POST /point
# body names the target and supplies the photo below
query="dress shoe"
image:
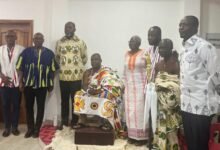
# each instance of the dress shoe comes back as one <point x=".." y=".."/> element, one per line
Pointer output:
<point x="131" y="141"/>
<point x="6" y="133"/>
<point x="29" y="133"/>
<point x="60" y="127"/>
<point x="140" y="143"/>
<point x="35" y="134"/>
<point x="15" y="131"/>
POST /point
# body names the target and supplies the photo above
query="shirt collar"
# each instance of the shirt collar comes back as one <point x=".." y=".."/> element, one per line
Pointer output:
<point x="74" y="38"/>
<point x="191" y="41"/>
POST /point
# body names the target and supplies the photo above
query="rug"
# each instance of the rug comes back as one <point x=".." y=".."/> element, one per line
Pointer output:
<point x="47" y="133"/>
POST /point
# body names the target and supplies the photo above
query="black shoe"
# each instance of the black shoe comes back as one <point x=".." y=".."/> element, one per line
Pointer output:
<point x="60" y="127"/>
<point x="35" y="134"/>
<point x="29" y="133"/>
<point x="6" y="133"/>
<point x="140" y="143"/>
<point x="15" y="131"/>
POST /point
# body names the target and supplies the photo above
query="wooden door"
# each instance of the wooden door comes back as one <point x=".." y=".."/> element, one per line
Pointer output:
<point x="24" y="30"/>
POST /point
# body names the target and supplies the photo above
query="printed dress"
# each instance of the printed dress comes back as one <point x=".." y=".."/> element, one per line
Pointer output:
<point x="135" y="80"/>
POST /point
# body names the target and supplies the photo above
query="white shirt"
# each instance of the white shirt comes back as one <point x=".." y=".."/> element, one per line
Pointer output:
<point x="8" y="66"/>
<point x="199" y="64"/>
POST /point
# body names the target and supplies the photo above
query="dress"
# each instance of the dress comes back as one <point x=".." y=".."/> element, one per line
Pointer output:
<point x="135" y="79"/>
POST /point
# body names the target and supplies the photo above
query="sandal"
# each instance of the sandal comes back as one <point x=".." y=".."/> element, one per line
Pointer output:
<point x="122" y="134"/>
<point x="140" y="143"/>
<point x="131" y="141"/>
<point x="78" y="126"/>
<point x="105" y="127"/>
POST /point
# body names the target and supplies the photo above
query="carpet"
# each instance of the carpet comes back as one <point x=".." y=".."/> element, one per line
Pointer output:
<point x="47" y="133"/>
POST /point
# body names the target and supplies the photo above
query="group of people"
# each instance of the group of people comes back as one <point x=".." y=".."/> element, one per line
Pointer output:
<point x="187" y="89"/>
<point x="187" y="86"/>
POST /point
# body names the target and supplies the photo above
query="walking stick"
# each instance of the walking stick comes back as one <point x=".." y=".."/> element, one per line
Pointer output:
<point x="150" y="131"/>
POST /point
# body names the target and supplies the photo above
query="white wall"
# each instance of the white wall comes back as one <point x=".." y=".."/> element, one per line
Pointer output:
<point x="26" y="10"/>
<point x="107" y="25"/>
<point x="210" y="22"/>
<point x="41" y="12"/>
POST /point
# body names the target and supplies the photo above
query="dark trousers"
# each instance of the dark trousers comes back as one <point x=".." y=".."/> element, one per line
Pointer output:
<point x="11" y="106"/>
<point x="68" y="89"/>
<point x="196" y="130"/>
<point x="30" y="95"/>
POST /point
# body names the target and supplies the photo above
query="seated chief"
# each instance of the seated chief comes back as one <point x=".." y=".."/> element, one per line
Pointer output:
<point x="98" y="101"/>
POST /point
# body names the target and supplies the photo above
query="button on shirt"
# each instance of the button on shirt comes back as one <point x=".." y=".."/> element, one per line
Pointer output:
<point x="199" y="63"/>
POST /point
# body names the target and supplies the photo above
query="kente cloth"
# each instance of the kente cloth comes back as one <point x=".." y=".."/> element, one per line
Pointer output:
<point x="102" y="107"/>
<point x="104" y="104"/>
<point x="135" y="79"/>
<point x="154" y="58"/>
<point x="168" y="119"/>
<point x="150" y="108"/>
<point x="107" y="80"/>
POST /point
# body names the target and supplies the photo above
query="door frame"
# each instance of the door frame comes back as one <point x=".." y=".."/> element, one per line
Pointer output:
<point x="28" y="22"/>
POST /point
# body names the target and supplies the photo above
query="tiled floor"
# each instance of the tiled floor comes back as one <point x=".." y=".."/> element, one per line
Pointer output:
<point x="18" y="142"/>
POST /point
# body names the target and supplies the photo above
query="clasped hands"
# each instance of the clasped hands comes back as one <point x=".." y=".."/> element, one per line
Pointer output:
<point x="5" y="79"/>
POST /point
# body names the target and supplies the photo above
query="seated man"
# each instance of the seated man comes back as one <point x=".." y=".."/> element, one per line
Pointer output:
<point x="100" y="95"/>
